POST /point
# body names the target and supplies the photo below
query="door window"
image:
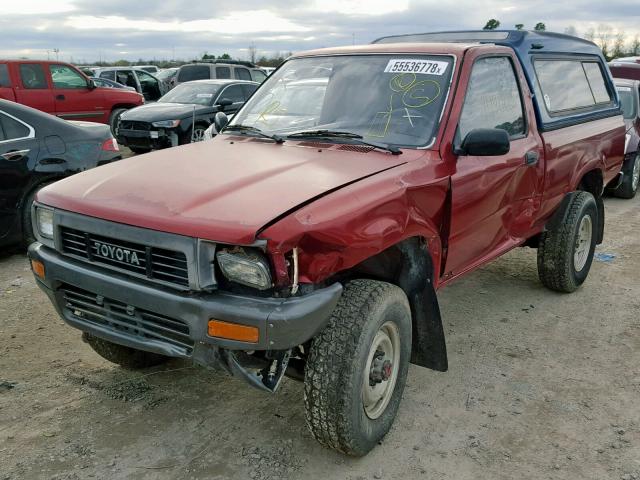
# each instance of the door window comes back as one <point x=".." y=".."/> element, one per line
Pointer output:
<point x="109" y="75"/>
<point x="32" y="76"/>
<point x="12" y="129"/>
<point x="126" y="77"/>
<point x="493" y="99"/>
<point x="66" y="77"/>
<point x="146" y="80"/>
<point x="223" y="72"/>
<point x="4" y="75"/>
<point x="258" y="76"/>
<point x="233" y="93"/>
<point x="193" y="72"/>
<point x="242" y="74"/>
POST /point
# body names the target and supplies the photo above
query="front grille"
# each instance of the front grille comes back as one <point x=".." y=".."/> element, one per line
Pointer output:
<point x="151" y="262"/>
<point x="133" y="125"/>
<point x="135" y="322"/>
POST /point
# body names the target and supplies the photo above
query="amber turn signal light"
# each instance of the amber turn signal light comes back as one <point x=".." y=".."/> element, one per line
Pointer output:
<point x="233" y="331"/>
<point x="38" y="268"/>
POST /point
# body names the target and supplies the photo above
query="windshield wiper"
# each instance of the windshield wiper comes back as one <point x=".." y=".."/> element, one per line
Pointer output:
<point x="347" y="135"/>
<point x="253" y="130"/>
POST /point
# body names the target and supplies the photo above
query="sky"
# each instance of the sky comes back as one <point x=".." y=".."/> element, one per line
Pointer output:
<point x="86" y="31"/>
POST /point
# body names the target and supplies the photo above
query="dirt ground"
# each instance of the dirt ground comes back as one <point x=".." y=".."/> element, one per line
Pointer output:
<point x="540" y="386"/>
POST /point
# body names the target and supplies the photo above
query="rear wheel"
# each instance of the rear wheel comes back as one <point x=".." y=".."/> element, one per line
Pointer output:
<point x="126" y="357"/>
<point x="631" y="179"/>
<point x="357" y="367"/>
<point x="565" y="252"/>
<point x="114" y="119"/>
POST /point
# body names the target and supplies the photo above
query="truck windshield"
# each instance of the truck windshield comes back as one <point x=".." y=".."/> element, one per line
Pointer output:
<point x="392" y="99"/>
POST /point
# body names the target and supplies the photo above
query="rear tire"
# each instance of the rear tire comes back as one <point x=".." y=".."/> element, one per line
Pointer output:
<point x="351" y="393"/>
<point x="126" y="357"/>
<point x="629" y="185"/>
<point x="114" y="119"/>
<point x="565" y="253"/>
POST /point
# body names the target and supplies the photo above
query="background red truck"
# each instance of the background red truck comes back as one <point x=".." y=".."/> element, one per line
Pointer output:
<point x="62" y="90"/>
<point x="311" y="235"/>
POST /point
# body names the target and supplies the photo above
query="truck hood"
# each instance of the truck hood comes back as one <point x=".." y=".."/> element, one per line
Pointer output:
<point x="152" y="112"/>
<point x="224" y="189"/>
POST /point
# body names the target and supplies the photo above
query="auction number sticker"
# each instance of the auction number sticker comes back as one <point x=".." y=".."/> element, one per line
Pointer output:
<point x="412" y="65"/>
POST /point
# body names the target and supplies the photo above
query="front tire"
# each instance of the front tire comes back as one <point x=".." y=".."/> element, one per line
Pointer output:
<point x="565" y="252"/>
<point x="629" y="186"/>
<point x="357" y="367"/>
<point x="126" y="357"/>
<point x="114" y="119"/>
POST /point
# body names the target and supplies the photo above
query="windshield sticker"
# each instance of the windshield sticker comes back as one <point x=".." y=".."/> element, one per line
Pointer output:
<point x="204" y="95"/>
<point x="410" y="65"/>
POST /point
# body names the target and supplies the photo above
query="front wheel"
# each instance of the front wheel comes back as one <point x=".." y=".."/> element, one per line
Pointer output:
<point x="114" y="120"/>
<point x="357" y="367"/>
<point x="631" y="179"/>
<point x="565" y="252"/>
<point x="126" y="357"/>
<point x="197" y="134"/>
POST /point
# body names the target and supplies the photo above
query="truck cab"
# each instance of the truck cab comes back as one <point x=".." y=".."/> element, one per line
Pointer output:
<point x="310" y="236"/>
<point x="62" y="90"/>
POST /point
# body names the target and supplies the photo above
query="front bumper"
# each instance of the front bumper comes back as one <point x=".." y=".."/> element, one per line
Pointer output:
<point x="283" y="323"/>
<point x="156" y="138"/>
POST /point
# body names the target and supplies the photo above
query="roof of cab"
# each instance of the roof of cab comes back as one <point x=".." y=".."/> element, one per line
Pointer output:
<point x="400" y="47"/>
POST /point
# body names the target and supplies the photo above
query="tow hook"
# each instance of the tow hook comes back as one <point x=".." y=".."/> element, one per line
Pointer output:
<point x="380" y="369"/>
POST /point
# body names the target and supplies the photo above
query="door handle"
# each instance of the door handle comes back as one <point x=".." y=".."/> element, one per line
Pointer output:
<point x="15" y="155"/>
<point x="60" y="97"/>
<point x="531" y="158"/>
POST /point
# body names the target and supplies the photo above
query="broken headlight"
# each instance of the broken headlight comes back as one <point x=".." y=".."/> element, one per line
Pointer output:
<point x="249" y="268"/>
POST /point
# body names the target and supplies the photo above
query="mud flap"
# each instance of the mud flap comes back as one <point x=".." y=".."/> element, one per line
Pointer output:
<point x="560" y="215"/>
<point x="429" y="348"/>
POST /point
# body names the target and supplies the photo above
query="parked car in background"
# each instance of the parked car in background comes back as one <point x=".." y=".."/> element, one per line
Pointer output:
<point x="629" y="91"/>
<point x="37" y="149"/>
<point x="626" y="70"/>
<point x="147" y="68"/>
<point x="168" y="76"/>
<point x="143" y="82"/>
<point x="268" y="70"/>
<point x="627" y="60"/>
<point x="220" y="69"/>
<point x="317" y="250"/>
<point x="62" y="90"/>
<point x="182" y="115"/>
<point x="106" y="83"/>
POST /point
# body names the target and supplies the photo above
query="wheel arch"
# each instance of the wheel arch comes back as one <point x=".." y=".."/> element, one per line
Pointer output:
<point x="593" y="182"/>
<point x="409" y="265"/>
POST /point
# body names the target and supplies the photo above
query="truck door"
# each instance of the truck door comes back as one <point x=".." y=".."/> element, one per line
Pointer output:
<point x="6" y="87"/>
<point x="18" y="152"/>
<point x="74" y="98"/>
<point x="494" y="198"/>
<point x="33" y="89"/>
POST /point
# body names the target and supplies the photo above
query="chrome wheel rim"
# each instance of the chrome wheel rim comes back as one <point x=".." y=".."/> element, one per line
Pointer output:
<point x="381" y="370"/>
<point x="198" y="135"/>
<point x="583" y="243"/>
<point x="635" y="176"/>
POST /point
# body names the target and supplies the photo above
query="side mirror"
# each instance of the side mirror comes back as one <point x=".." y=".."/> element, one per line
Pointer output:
<point x="220" y="121"/>
<point x="224" y="102"/>
<point x="91" y="85"/>
<point x="485" y="142"/>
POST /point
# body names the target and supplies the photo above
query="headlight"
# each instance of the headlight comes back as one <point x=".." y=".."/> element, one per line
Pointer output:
<point x="250" y="269"/>
<point x="166" y="123"/>
<point x="44" y="220"/>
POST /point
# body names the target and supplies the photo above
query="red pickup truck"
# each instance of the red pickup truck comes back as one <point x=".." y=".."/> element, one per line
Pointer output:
<point x="62" y="90"/>
<point x="310" y="236"/>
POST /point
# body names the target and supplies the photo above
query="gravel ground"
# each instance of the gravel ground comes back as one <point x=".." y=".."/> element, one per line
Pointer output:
<point x="540" y="386"/>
